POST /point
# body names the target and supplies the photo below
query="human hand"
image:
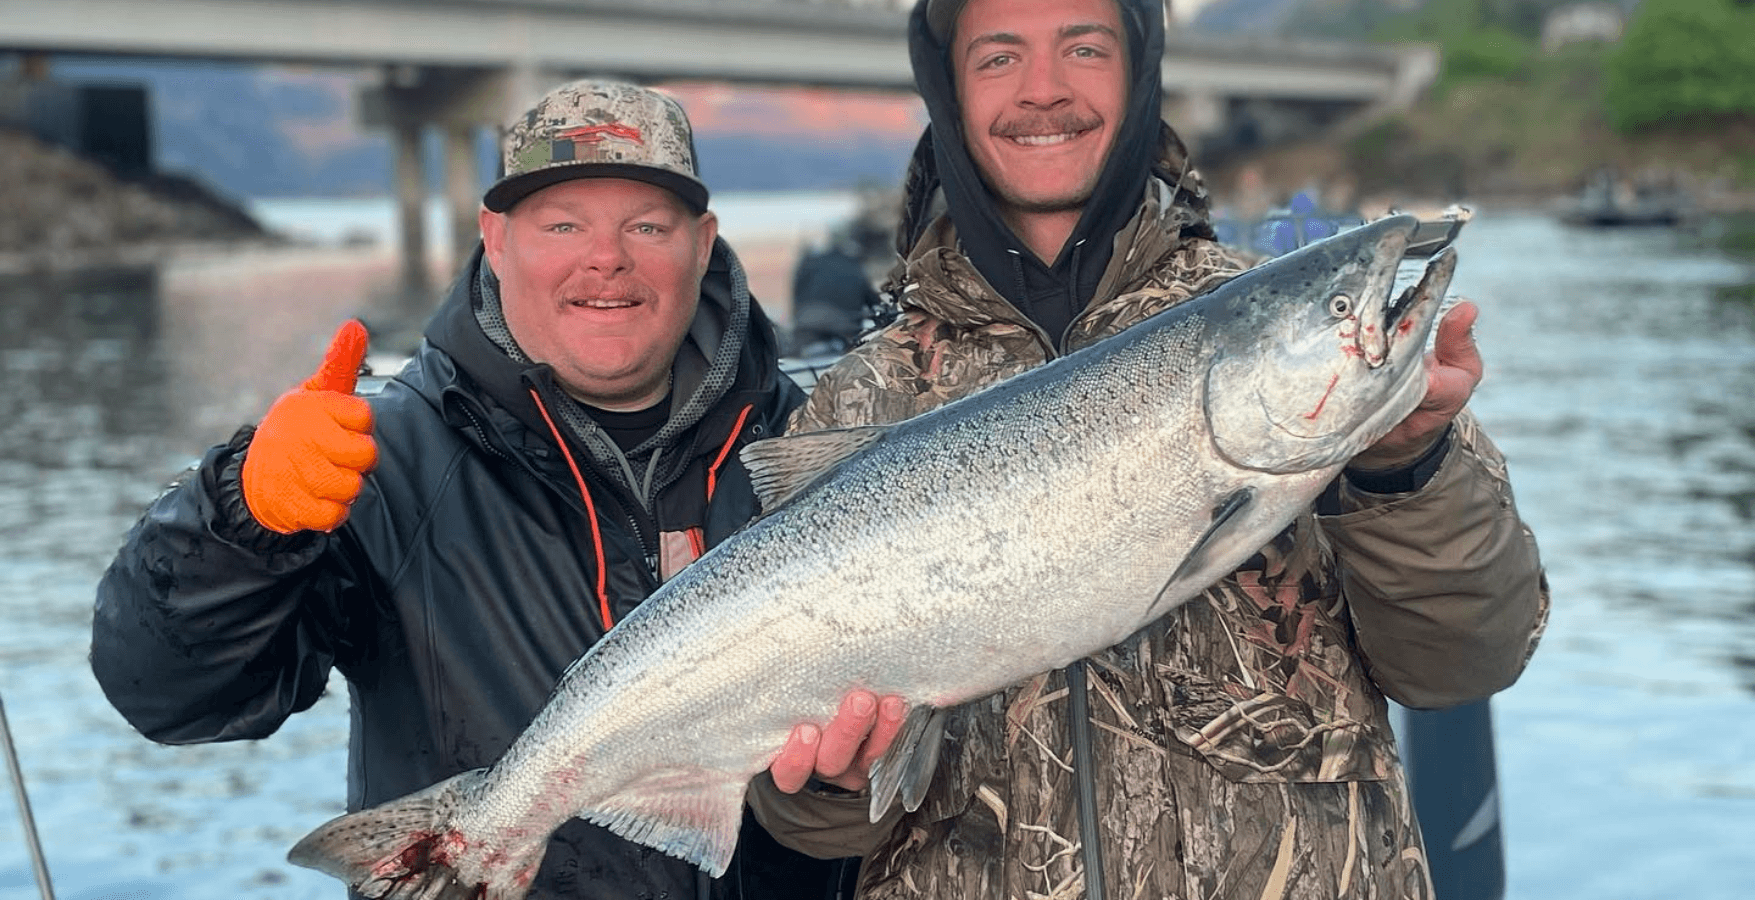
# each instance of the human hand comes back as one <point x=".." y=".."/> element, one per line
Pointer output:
<point x="311" y="451"/>
<point x="841" y="753"/>
<point x="1453" y="368"/>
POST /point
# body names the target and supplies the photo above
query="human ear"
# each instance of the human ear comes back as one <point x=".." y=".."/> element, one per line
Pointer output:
<point x="493" y="235"/>
<point x="708" y="228"/>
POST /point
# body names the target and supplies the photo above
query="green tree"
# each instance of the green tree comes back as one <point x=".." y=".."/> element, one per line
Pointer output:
<point x="1683" y="62"/>
<point x="1478" y="39"/>
<point x="1442" y="19"/>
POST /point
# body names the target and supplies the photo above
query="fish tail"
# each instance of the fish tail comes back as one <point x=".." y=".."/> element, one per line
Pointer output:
<point x="410" y="847"/>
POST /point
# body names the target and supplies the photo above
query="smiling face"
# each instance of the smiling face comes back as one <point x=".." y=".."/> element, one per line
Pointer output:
<point x="1042" y="85"/>
<point x="599" y="278"/>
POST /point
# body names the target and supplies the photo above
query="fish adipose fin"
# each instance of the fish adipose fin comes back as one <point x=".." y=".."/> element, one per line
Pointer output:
<point x="1228" y="517"/>
<point x="409" y="848"/>
<point x="781" y="467"/>
<point x="907" y="767"/>
<point x="691" y="814"/>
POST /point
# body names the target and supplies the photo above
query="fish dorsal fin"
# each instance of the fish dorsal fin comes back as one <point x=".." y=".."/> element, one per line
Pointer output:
<point x="781" y="467"/>
<point x="907" y="767"/>
<point x="691" y="814"/>
<point x="1229" y="515"/>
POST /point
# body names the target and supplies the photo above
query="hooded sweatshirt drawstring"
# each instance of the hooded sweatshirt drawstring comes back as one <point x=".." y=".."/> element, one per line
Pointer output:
<point x="1018" y="281"/>
<point x="730" y="440"/>
<point x="1072" y="293"/>
<point x="602" y="586"/>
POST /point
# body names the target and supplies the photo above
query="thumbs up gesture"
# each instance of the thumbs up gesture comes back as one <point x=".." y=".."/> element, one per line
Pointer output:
<point x="310" y="452"/>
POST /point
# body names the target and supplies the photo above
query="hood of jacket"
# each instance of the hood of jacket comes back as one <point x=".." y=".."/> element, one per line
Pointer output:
<point x="728" y="360"/>
<point x="1050" y="293"/>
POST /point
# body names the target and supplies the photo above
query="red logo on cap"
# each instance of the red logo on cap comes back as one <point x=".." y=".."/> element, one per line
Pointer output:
<point x="596" y="134"/>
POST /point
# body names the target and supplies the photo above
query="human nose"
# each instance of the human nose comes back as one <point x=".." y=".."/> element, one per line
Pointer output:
<point x="604" y="252"/>
<point x="1044" y="84"/>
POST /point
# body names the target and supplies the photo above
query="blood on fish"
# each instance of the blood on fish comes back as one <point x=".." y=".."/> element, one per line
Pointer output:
<point x="1332" y="381"/>
<point x="428" y="849"/>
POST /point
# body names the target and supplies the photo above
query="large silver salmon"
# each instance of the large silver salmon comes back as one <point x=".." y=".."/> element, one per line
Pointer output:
<point x="942" y="558"/>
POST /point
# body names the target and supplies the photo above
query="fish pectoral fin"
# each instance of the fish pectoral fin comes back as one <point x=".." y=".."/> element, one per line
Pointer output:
<point x="1228" y="518"/>
<point x="691" y="814"/>
<point x="907" y="767"/>
<point x="781" y="467"/>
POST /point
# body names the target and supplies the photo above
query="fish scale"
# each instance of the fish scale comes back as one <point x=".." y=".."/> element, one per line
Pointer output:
<point x="942" y="558"/>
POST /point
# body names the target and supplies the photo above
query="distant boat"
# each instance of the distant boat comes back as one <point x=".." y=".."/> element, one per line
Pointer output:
<point x="1607" y="202"/>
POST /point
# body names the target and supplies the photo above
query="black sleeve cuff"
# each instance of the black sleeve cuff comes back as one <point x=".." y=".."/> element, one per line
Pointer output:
<point x="1404" y="479"/>
<point x="233" y="520"/>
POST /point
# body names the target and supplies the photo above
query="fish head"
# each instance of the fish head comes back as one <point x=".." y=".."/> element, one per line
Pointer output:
<point x="1317" y="355"/>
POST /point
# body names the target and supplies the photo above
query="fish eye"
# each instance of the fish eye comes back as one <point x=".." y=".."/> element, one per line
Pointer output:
<point x="1340" y="306"/>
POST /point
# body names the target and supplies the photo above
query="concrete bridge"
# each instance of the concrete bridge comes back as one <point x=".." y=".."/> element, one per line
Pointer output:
<point x="460" y="65"/>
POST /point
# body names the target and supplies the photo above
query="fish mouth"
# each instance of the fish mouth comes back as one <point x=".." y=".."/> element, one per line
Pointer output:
<point x="1405" y="314"/>
<point x="1432" y="240"/>
<point x="1400" y="318"/>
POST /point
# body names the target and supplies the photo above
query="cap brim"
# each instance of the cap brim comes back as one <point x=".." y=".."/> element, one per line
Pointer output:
<point x="508" y="191"/>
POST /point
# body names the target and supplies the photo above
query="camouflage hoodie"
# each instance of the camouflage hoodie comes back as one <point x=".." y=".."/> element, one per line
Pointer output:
<point x="1242" y="745"/>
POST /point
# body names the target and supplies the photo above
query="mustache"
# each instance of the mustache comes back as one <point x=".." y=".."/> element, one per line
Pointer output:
<point x="1045" y="123"/>
<point x="620" y="293"/>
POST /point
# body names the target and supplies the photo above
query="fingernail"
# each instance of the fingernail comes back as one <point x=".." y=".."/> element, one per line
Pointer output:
<point x="862" y="704"/>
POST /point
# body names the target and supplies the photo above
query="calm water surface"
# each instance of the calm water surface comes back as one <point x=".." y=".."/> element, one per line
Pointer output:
<point x="1618" y="384"/>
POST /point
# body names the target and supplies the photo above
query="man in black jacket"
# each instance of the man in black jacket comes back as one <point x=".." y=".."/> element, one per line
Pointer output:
<point x="565" y="438"/>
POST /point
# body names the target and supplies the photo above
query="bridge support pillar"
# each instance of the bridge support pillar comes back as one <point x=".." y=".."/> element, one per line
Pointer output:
<point x="456" y="103"/>
<point x="33" y="66"/>
<point x="411" y="213"/>
<point x="462" y="190"/>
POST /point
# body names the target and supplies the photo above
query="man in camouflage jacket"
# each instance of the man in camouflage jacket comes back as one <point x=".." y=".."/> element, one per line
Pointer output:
<point x="1241" y="747"/>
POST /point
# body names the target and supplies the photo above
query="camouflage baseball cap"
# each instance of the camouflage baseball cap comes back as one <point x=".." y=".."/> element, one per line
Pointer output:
<point x="599" y="129"/>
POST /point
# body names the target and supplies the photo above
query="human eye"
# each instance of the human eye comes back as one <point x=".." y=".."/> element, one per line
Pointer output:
<point x="995" y="61"/>
<point x="648" y="229"/>
<point x="1091" y="51"/>
<point x="560" y="228"/>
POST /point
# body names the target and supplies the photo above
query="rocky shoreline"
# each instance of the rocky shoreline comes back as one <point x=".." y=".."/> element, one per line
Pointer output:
<point x="64" y="211"/>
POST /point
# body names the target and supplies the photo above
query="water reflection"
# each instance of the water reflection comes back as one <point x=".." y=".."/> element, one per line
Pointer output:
<point x="115" y="380"/>
<point x="1618" y="384"/>
<point x="76" y="350"/>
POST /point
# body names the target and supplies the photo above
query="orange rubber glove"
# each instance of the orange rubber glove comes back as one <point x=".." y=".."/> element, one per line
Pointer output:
<point x="311" y="451"/>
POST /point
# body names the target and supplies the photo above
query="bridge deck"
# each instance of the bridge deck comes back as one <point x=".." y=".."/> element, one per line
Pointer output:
<point x="840" y="43"/>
